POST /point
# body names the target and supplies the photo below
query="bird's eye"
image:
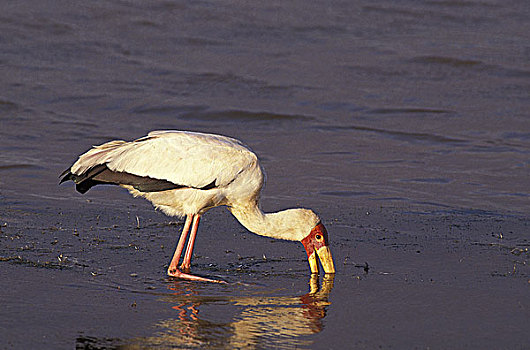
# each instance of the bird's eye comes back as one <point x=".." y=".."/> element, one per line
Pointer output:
<point x="318" y="237"/>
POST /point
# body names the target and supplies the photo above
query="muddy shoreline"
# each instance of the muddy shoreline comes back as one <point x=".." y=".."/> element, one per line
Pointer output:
<point x="94" y="278"/>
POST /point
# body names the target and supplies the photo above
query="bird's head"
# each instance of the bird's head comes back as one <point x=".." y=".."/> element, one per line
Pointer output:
<point x="316" y="243"/>
<point x="297" y="224"/>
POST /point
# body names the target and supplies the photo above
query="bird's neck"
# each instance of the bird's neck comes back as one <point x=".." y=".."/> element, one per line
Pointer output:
<point x="275" y="225"/>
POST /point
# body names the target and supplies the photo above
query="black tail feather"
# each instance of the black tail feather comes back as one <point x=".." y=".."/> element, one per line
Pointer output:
<point x="66" y="175"/>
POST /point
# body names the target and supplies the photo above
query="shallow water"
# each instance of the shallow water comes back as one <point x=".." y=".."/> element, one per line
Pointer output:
<point x="405" y="125"/>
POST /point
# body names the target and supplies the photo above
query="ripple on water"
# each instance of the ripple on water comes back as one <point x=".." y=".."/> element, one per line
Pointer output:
<point x="242" y="115"/>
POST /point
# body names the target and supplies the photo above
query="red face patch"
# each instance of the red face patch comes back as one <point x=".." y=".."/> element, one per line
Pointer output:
<point x="317" y="238"/>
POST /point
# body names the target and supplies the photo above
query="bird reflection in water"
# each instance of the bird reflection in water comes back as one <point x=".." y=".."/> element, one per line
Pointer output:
<point x="255" y="321"/>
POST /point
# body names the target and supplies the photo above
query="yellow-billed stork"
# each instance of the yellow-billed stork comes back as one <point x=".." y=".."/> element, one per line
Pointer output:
<point x="185" y="174"/>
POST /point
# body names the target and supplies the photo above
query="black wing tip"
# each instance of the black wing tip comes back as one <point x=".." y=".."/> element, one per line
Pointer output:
<point x="101" y="174"/>
<point x="210" y="186"/>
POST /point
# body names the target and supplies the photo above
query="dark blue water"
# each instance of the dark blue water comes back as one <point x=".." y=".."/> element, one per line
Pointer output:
<point x="404" y="124"/>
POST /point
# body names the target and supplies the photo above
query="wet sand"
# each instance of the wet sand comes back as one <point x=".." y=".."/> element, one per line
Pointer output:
<point x="405" y="126"/>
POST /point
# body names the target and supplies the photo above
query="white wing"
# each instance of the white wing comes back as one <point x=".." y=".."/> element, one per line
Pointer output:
<point x="183" y="158"/>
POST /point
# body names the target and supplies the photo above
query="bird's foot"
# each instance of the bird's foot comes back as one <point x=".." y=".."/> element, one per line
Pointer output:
<point x="186" y="276"/>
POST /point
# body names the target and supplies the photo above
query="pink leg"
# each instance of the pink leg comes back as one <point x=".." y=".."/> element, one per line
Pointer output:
<point x="180" y="246"/>
<point x="186" y="263"/>
<point x="173" y="266"/>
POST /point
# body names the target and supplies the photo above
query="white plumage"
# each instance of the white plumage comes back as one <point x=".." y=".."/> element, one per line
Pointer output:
<point x="187" y="173"/>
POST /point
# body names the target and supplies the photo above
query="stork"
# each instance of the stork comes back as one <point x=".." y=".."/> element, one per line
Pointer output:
<point x="186" y="173"/>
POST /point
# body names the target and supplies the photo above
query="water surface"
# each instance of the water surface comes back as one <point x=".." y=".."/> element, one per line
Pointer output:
<point x="404" y="125"/>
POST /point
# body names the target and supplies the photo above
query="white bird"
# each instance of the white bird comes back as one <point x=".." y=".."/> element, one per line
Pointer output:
<point x="185" y="174"/>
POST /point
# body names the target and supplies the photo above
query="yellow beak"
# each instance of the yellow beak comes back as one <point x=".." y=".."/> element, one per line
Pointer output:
<point x="325" y="259"/>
